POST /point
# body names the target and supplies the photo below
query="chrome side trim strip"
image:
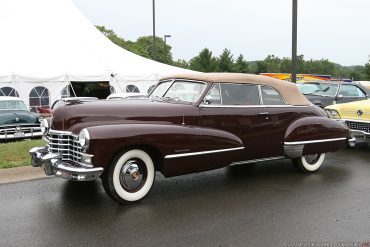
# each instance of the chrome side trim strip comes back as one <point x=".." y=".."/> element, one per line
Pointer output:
<point x="252" y="106"/>
<point x="171" y="156"/>
<point x="257" y="160"/>
<point x="315" y="141"/>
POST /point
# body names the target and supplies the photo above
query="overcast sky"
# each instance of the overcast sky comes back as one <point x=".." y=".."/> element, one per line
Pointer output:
<point x="335" y="29"/>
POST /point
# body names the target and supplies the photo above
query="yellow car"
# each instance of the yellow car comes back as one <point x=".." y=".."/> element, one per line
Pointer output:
<point x="356" y="115"/>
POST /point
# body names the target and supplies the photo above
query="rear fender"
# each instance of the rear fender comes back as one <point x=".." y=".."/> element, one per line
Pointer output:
<point x="312" y="135"/>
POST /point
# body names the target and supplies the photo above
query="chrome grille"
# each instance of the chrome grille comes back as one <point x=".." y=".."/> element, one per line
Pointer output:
<point x="66" y="144"/>
<point x="358" y="126"/>
<point x="11" y="129"/>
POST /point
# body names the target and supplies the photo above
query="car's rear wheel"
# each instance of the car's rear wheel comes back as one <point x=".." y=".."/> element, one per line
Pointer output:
<point x="130" y="176"/>
<point x="309" y="163"/>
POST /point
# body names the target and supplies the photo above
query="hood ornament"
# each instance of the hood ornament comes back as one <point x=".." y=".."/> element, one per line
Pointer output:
<point x="17" y="119"/>
<point x="360" y="112"/>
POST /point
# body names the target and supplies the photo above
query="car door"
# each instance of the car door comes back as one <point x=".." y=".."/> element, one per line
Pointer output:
<point x="238" y="109"/>
<point x="349" y="93"/>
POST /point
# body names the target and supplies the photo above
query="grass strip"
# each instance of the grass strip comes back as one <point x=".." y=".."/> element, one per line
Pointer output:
<point x="14" y="154"/>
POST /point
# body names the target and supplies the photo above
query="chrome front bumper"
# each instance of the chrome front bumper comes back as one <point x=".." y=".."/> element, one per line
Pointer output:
<point x="53" y="165"/>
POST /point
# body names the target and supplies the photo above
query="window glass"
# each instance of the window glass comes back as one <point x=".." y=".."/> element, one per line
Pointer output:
<point x="270" y="96"/>
<point x="319" y="88"/>
<point x="185" y="91"/>
<point x="8" y="91"/>
<point x="13" y="105"/>
<point x="150" y="89"/>
<point x="132" y="89"/>
<point x="39" y="97"/>
<point x="214" y="96"/>
<point x="239" y="94"/>
<point x="351" y="91"/>
<point x="160" y="89"/>
<point x="65" y="92"/>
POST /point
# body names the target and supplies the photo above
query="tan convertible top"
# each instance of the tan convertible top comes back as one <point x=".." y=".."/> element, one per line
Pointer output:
<point x="288" y="90"/>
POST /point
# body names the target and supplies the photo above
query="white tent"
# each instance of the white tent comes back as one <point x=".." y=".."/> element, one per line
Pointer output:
<point x="48" y="43"/>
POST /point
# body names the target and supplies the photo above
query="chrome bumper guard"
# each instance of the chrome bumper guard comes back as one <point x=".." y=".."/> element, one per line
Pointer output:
<point x="53" y="165"/>
<point x="351" y="142"/>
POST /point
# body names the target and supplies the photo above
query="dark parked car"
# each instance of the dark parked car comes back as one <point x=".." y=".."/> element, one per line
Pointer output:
<point x="188" y="124"/>
<point x="324" y="93"/>
<point x="16" y="121"/>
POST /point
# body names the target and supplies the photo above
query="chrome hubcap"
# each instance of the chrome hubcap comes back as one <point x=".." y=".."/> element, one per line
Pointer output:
<point x="312" y="158"/>
<point x="133" y="175"/>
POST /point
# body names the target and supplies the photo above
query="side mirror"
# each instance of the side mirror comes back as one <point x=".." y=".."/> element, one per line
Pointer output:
<point x="339" y="96"/>
<point x="208" y="100"/>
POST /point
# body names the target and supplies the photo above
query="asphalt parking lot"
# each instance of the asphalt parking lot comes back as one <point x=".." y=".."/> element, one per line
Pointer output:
<point x="269" y="204"/>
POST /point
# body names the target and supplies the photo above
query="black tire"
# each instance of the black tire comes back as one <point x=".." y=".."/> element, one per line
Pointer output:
<point x="309" y="163"/>
<point x="129" y="177"/>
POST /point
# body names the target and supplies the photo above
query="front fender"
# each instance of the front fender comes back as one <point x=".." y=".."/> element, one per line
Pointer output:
<point x="312" y="135"/>
<point x="168" y="140"/>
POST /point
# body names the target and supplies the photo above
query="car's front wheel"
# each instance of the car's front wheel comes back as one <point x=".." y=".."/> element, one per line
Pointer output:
<point x="309" y="163"/>
<point x="130" y="176"/>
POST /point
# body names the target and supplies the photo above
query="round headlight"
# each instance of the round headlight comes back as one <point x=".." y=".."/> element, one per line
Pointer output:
<point x="333" y="113"/>
<point x="44" y="125"/>
<point x="84" y="138"/>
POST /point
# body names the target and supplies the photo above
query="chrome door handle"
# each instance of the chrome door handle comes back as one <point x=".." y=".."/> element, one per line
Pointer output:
<point x="264" y="114"/>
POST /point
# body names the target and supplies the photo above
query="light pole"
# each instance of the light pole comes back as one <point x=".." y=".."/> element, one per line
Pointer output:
<point x="154" y="55"/>
<point x="294" y="41"/>
<point x="165" y="46"/>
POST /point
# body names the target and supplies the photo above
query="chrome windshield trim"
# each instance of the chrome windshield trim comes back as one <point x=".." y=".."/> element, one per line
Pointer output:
<point x="171" y="156"/>
<point x="257" y="160"/>
<point x="315" y="141"/>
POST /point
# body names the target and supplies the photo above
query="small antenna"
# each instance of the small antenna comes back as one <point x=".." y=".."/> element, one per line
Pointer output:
<point x="183" y="119"/>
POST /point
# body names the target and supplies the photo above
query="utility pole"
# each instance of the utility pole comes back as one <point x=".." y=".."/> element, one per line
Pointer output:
<point x="294" y="41"/>
<point x="154" y="55"/>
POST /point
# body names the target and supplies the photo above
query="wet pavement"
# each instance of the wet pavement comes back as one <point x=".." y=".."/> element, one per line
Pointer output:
<point x="269" y="204"/>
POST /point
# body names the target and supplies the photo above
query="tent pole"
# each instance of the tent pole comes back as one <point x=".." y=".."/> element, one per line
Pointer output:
<point x="70" y="84"/>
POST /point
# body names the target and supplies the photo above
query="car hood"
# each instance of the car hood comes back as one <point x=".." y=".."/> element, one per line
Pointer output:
<point x="359" y="110"/>
<point x="74" y="117"/>
<point x="17" y="117"/>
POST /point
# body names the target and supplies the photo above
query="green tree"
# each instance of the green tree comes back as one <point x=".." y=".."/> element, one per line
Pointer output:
<point x="110" y="34"/>
<point x="272" y="63"/>
<point x="226" y="61"/>
<point x="181" y="63"/>
<point x="144" y="47"/>
<point x="261" y="67"/>
<point x="240" y="65"/>
<point x="367" y="70"/>
<point x="286" y="65"/>
<point x="204" y="62"/>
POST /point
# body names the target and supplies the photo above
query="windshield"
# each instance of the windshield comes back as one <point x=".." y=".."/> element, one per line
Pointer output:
<point x="319" y="88"/>
<point x="13" y="105"/>
<point x="188" y="91"/>
<point x="159" y="91"/>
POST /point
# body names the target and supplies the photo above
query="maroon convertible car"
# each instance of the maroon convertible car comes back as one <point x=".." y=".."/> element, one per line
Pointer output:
<point x="188" y="124"/>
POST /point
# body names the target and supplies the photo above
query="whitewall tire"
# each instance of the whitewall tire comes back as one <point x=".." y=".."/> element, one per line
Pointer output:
<point x="130" y="176"/>
<point x="309" y="163"/>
